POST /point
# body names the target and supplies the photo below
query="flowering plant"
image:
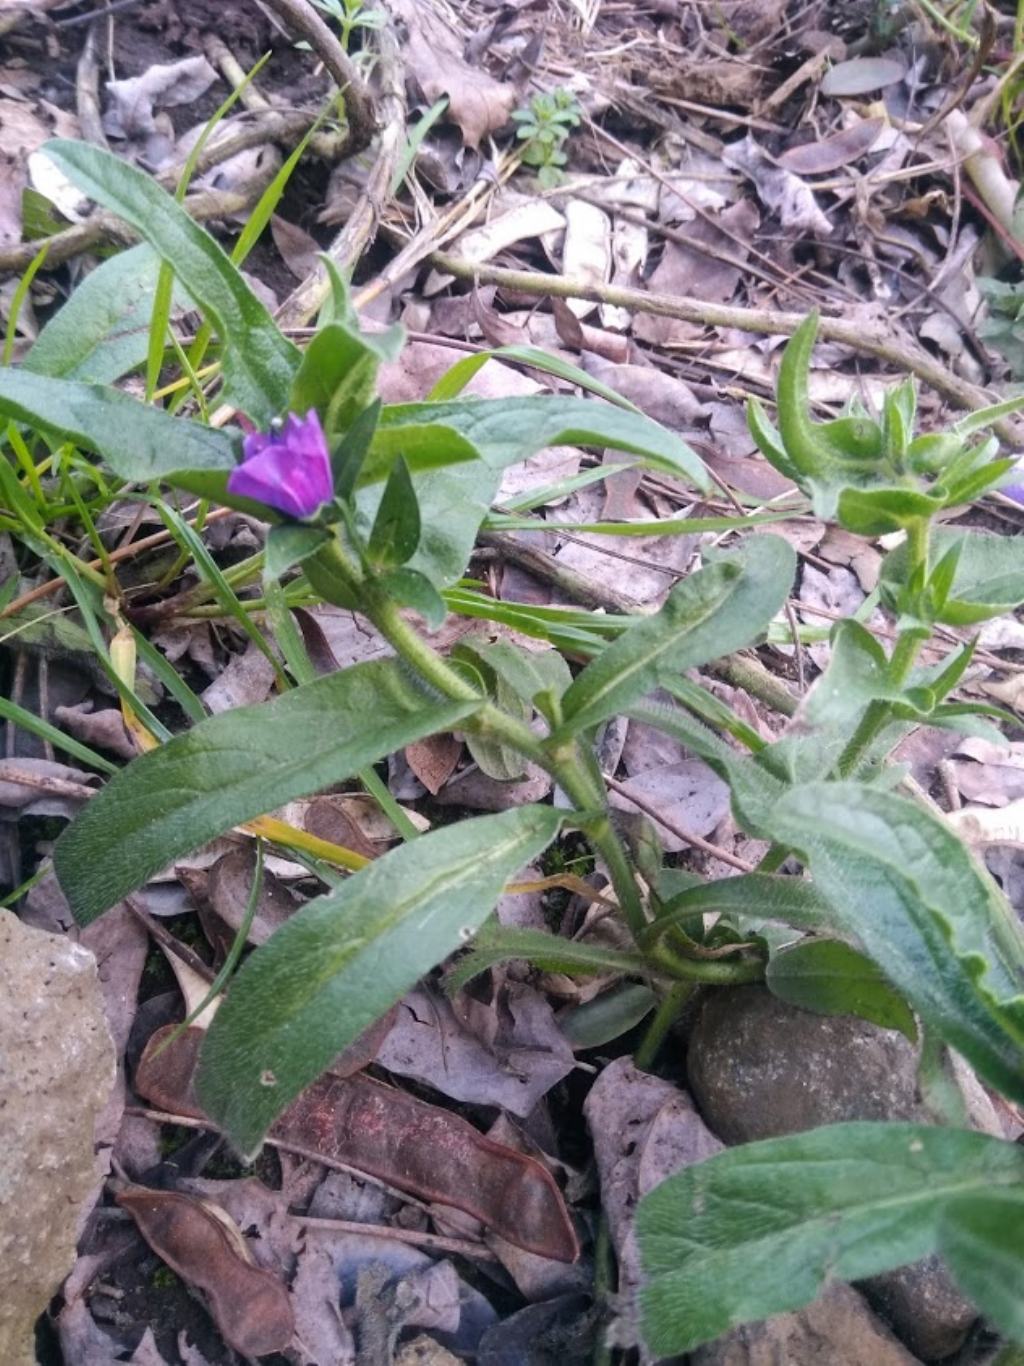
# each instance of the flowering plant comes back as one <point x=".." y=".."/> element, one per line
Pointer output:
<point x="376" y="508"/>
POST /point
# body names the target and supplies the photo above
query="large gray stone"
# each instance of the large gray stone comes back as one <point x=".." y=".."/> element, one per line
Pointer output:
<point x="57" y="1067"/>
<point x="760" y="1068"/>
<point x="838" y="1329"/>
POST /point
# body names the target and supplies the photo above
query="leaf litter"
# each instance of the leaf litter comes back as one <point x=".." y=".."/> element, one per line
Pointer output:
<point x="764" y="165"/>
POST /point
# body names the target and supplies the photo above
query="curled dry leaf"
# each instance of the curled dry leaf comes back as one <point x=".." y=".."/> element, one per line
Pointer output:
<point x="587" y="250"/>
<point x="781" y="191"/>
<point x="433" y="760"/>
<point x="434" y="1155"/>
<point x="478" y="103"/>
<point x="205" y="1247"/>
<point x="160" y="86"/>
<point x="415" y="1147"/>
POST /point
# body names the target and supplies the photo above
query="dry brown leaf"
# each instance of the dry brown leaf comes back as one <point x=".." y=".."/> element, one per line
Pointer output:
<point x="833" y="153"/>
<point x="433" y="760"/>
<point x="299" y="250"/>
<point x="644" y="1129"/>
<point x="478" y="103"/>
<point x="415" y="1147"/>
<point x="205" y="1247"/>
<point x="780" y="191"/>
<point x="524" y="1056"/>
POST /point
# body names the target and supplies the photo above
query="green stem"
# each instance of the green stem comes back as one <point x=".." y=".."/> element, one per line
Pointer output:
<point x="566" y="766"/>
<point x="664" y="1018"/>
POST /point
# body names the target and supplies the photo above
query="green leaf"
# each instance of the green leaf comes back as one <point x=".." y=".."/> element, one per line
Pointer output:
<point x="137" y="442"/>
<point x="234" y="767"/>
<point x="551" y="952"/>
<point x="760" y="1229"/>
<point x="348" y="456"/>
<point x="875" y="512"/>
<point x="455" y="379"/>
<point x="338" y="372"/>
<point x="502" y="432"/>
<point x="453" y="502"/>
<point x="830" y="978"/>
<point x="608" y="1016"/>
<point x="790" y="900"/>
<point x="100" y="334"/>
<point x="719" y="609"/>
<point x="396" y="528"/>
<point x="290" y="544"/>
<point x="514" y="677"/>
<point x="410" y="588"/>
<point x="901" y="883"/>
<point x="989" y="577"/>
<point x="342" y="961"/>
<point x="258" y="361"/>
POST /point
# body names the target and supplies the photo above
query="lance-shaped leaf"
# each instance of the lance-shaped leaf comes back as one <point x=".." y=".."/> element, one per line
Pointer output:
<point x="236" y="766"/>
<point x="138" y="443"/>
<point x="347" y="957"/>
<point x="901" y="883"/>
<point x="719" y="609"/>
<point x="760" y="1229"/>
<point x="258" y="360"/>
<point x="503" y="432"/>
<point x="988" y="577"/>
<point x="828" y="977"/>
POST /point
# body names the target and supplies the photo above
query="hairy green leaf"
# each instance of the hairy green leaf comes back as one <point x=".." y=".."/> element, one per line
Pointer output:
<point x="139" y="443"/>
<point x="901" y="883"/>
<point x="101" y="333"/>
<point x="721" y="608"/>
<point x="342" y="961"/>
<point x="760" y="1229"/>
<point x="988" y="579"/>
<point x="234" y="767"/>
<point x="503" y="432"/>
<point x="258" y="360"/>
<point x="831" y="978"/>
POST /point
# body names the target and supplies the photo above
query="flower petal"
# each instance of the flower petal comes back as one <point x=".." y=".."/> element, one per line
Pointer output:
<point x="289" y="470"/>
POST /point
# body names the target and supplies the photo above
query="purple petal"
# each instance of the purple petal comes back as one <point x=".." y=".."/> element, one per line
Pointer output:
<point x="288" y="469"/>
<point x="1015" y="491"/>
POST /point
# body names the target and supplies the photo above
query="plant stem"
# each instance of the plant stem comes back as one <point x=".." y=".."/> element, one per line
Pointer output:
<point x="664" y="1018"/>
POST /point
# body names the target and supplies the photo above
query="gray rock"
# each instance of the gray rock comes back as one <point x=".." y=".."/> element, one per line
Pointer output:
<point x="925" y="1307"/>
<point x="837" y="1329"/>
<point x="57" y="1064"/>
<point x="760" y="1068"/>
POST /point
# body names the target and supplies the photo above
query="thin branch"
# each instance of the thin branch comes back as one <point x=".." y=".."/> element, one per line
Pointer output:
<point x="871" y="338"/>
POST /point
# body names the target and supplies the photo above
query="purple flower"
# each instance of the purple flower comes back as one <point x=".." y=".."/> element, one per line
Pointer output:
<point x="1015" y="491"/>
<point x="288" y="468"/>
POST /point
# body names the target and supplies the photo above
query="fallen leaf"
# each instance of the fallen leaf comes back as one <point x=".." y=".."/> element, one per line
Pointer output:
<point x="523" y="1059"/>
<point x="413" y="1146"/>
<point x="206" y="1249"/>
<point x="833" y="153"/>
<point x="780" y="191"/>
<point x="160" y="86"/>
<point x="644" y="1129"/>
<point x="587" y="250"/>
<point x="297" y="248"/>
<point x="247" y="678"/>
<point x="434" y="760"/>
<point x="104" y="729"/>
<point x="688" y="794"/>
<point x="478" y="103"/>
<point x="862" y="75"/>
<point x="996" y="775"/>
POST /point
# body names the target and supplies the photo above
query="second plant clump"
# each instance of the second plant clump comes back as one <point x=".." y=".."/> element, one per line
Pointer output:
<point x="376" y="509"/>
